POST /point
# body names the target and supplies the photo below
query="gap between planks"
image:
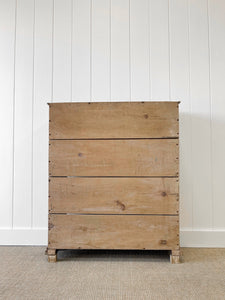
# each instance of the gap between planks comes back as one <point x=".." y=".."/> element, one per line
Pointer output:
<point x="114" y="177"/>
<point x="97" y="214"/>
<point x="105" y="139"/>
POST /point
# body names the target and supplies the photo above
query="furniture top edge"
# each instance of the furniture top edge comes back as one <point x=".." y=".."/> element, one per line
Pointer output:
<point x="116" y="102"/>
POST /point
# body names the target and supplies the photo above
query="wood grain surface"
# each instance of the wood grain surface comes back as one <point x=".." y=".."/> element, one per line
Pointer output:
<point x="147" y="157"/>
<point x="114" y="195"/>
<point x="113" y="120"/>
<point x="113" y="232"/>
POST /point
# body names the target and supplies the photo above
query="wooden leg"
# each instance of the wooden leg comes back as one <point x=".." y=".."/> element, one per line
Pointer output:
<point x="52" y="256"/>
<point x="175" y="256"/>
<point x="46" y="251"/>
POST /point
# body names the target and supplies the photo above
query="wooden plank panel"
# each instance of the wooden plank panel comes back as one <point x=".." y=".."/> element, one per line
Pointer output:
<point x="159" y="50"/>
<point x="62" y="41"/>
<point x="114" y="195"/>
<point x="42" y="92"/>
<point x="114" y="157"/>
<point x="100" y="50"/>
<point x="81" y="50"/>
<point x="139" y="47"/>
<point x="180" y="90"/>
<point x="200" y="115"/>
<point x="120" y="51"/>
<point x="113" y="120"/>
<point x="113" y="232"/>
<point x="22" y="207"/>
<point x="217" y="58"/>
<point x="7" y="38"/>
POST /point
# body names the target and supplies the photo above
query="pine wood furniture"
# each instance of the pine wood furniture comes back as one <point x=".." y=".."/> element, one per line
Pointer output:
<point x="114" y="176"/>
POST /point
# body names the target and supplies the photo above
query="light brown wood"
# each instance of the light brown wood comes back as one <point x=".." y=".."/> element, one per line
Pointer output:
<point x="113" y="120"/>
<point x="176" y="252"/>
<point x="113" y="232"/>
<point x="113" y="177"/>
<point x="176" y="256"/>
<point x="175" y="259"/>
<point x="157" y="157"/>
<point x="52" y="257"/>
<point x="51" y="251"/>
<point x="114" y="195"/>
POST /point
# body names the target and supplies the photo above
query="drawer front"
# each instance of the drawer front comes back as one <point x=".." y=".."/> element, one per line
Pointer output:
<point x="148" y="157"/>
<point x="113" y="232"/>
<point x="113" y="120"/>
<point x="114" y="195"/>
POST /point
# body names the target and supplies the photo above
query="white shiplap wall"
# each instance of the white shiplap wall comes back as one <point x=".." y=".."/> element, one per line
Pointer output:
<point x="111" y="50"/>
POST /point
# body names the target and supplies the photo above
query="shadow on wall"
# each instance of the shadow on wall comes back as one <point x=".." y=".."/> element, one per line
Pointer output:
<point x="202" y="161"/>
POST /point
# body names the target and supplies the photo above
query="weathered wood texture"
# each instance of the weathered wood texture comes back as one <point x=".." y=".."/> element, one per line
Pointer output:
<point x="113" y="232"/>
<point x="52" y="255"/>
<point x="176" y="256"/>
<point x="114" y="195"/>
<point x="113" y="176"/>
<point x="113" y="120"/>
<point x="157" y="157"/>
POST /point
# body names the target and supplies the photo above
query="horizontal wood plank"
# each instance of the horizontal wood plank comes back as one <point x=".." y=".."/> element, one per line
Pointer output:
<point x="113" y="195"/>
<point x="113" y="120"/>
<point x="113" y="232"/>
<point x="114" y="157"/>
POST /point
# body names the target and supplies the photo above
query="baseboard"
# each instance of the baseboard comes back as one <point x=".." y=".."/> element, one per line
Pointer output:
<point x="24" y="236"/>
<point x="39" y="237"/>
<point x="203" y="238"/>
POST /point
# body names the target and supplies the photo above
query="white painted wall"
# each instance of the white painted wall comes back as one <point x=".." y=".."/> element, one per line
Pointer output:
<point x="110" y="50"/>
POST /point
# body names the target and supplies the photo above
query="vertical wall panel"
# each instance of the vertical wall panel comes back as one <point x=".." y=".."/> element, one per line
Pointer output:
<point x="179" y="34"/>
<point x="217" y="59"/>
<point x="23" y="114"/>
<point x="81" y="50"/>
<point x="84" y="50"/>
<point x="7" y="38"/>
<point x="139" y="48"/>
<point x="101" y="50"/>
<point x="159" y="50"/>
<point x="62" y="50"/>
<point x="200" y="111"/>
<point x="42" y="95"/>
<point x="120" y="53"/>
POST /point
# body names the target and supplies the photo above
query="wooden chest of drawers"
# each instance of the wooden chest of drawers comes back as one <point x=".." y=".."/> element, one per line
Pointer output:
<point x="113" y="176"/>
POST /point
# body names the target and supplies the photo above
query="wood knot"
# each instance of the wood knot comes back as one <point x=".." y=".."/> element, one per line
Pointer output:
<point x="80" y="154"/>
<point x="83" y="228"/>
<point x="163" y="194"/>
<point x="50" y="226"/>
<point x="163" y="242"/>
<point x="122" y="206"/>
<point x="146" y="116"/>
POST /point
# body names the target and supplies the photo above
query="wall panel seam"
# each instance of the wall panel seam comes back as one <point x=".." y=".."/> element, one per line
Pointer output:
<point x="71" y="63"/>
<point x="110" y="50"/>
<point x="190" y="103"/>
<point x="91" y="4"/>
<point x="169" y="50"/>
<point x="14" y="100"/>
<point x="210" y="101"/>
<point x="149" y="52"/>
<point x="130" y="88"/>
<point x="53" y="20"/>
<point x="32" y="119"/>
